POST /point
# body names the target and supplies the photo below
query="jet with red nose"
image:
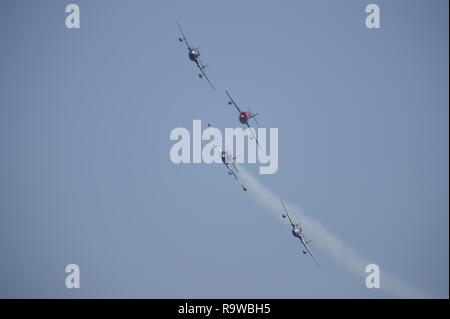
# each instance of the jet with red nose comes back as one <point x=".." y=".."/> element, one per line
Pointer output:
<point x="244" y="116"/>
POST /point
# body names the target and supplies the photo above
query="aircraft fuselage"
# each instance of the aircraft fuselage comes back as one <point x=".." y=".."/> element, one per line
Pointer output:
<point x="296" y="231"/>
<point x="243" y="117"/>
<point x="193" y="54"/>
<point x="227" y="157"/>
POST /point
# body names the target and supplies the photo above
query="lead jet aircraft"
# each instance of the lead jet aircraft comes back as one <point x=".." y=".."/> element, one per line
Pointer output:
<point x="194" y="56"/>
<point x="298" y="232"/>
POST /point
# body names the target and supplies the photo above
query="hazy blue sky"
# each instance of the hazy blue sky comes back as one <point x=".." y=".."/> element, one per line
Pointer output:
<point x="85" y="173"/>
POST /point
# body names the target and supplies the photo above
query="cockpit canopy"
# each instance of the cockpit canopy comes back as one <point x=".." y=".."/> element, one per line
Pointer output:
<point x="195" y="52"/>
<point x="297" y="231"/>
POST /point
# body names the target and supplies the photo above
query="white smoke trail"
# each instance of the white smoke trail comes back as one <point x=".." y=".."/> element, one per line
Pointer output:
<point x="342" y="254"/>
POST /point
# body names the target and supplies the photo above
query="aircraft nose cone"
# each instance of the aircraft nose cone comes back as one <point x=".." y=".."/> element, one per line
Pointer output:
<point x="243" y="118"/>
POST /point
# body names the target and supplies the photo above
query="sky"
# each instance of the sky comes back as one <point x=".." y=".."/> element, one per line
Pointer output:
<point x="86" y="176"/>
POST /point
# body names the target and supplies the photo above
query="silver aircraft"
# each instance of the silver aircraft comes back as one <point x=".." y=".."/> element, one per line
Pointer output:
<point x="298" y="232"/>
<point x="228" y="160"/>
<point x="194" y="56"/>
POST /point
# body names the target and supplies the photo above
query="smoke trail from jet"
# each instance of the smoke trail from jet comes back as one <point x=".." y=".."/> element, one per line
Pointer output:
<point x="342" y="253"/>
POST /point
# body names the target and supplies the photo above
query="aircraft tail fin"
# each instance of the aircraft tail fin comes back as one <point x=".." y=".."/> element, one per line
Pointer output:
<point x="253" y="116"/>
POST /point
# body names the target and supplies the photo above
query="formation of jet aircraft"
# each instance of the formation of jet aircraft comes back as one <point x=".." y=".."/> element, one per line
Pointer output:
<point x="227" y="158"/>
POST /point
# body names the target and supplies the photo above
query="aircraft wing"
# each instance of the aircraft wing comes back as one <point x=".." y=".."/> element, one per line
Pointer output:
<point x="230" y="171"/>
<point x="232" y="102"/>
<point x="307" y="248"/>
<point x="250" y="128"/>
<point x="200" y="66"/>
<point x="233" y="173"/>
<point x="253" y="116"/>
<point x="184" y="38"/>
<point x="287" y="214"/>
